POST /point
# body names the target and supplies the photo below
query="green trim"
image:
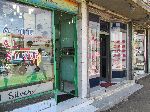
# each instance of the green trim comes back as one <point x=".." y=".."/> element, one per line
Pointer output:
<point x="76" y="56"/>
<point x="56" y="84"/>
<point x="46" y="5"/>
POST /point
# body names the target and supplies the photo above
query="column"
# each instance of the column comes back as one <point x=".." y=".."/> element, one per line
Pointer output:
<point x="148" y="48"/>
<point x="129" y="52"/>
<point x="82" y="50"/>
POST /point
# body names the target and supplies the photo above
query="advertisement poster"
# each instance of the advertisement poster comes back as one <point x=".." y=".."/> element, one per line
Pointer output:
<point x="118" y="50"/>
<point x="94" y="49"/>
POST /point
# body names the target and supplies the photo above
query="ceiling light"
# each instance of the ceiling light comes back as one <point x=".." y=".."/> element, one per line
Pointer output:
<point x="15" y="13"/>
<point x="11" y="19"/>
<point x="20" y="16"/>
<point x="14" y="6"/>
<point x="18" y="9"/>
<point x="31" y="10"/>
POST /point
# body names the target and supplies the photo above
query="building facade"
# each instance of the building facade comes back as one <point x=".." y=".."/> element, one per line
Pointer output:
<point x="112" y="30"/>
<point x="70" y="48"/>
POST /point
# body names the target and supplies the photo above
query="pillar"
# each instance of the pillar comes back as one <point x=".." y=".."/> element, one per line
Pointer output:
<point x="129" y="52"/>
<point x="82" y="50"/>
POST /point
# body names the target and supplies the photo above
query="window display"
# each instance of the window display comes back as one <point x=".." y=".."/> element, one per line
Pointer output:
<point x="118" y="49"/>
<point x="138" y="51"/>
<point x="94" y="49"/>
<point x="26" y="45"/>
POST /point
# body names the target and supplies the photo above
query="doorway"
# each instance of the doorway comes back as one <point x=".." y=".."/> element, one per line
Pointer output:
<point x="66" y="55"/>
<point x="105" y="57"/>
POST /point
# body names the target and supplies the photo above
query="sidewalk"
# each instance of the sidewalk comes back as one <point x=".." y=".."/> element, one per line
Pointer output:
<point x="99" y="100"/>
<point x="138" y="102"/>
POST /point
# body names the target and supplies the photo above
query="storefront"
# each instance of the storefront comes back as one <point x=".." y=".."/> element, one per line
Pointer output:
<point x="106" y="49"/>
<point x="118" y="50"/>
<point x="139" y="52"/>
<point x="38" y="43"/>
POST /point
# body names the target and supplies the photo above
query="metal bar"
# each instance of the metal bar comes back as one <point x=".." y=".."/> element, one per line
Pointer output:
<point x="54" y="59"/>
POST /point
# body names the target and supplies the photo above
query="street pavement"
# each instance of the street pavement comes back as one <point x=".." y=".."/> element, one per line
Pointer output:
<point x="137" y="102"/>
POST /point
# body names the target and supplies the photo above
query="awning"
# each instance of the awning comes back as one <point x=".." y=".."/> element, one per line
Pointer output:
<point x="134" y="10"/>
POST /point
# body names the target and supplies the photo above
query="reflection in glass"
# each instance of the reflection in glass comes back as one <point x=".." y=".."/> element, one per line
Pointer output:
<point x="23" y="30"/>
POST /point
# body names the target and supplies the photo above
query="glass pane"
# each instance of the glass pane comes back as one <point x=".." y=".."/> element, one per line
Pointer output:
<point x="138" y="52"/>
<point x="94" y="49"/>
<point x="26" y="41"/>
<point x="118" y="50"/>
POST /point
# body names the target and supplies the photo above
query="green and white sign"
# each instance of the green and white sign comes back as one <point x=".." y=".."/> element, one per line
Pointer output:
<point x="25" y="91"/>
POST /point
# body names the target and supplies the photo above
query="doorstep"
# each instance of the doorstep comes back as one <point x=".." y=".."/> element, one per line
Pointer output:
<point x="112" y="89"/>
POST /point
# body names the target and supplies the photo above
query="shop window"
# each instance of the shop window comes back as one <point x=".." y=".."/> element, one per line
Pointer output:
<point x="118" y="50"/>
<point x="139" y="51"/>
<point x="26" y="55"/>
<point x="94" y="50"/>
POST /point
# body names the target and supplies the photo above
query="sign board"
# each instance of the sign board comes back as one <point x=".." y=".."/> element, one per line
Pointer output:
<point x="66" y="5"/>
<point x="25" y="91"/>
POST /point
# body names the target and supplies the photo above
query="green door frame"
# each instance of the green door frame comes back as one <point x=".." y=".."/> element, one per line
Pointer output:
<point x="56" y="73"/>
<point x="75" y="56"/>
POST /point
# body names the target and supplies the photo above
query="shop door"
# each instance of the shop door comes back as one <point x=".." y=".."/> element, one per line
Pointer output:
<point x="66" y="66"/>
<point x="105" y="57"/>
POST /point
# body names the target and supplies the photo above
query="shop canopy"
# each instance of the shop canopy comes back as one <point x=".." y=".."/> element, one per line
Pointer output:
<point x="136" y="10"/>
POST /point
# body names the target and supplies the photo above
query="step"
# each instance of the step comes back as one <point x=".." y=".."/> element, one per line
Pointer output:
<point x="113" y="89"/>
<point x="73" y="104"/>
<point x="49" y="105"/>
<point x="116" y="98"/>
<point x="88" y="108"/>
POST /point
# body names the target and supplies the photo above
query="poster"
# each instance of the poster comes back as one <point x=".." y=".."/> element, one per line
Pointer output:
<point x="118" y="50"/>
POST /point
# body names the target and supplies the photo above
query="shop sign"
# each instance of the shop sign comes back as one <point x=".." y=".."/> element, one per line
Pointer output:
<point x="22" y="55"/>
<point x="66" y="5"/>
<point x="25" y="91"/>
<point x="27" y="31"/>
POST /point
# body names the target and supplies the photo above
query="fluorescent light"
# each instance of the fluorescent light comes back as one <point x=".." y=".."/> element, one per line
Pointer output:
<point x="14" y="6"/>
<point x="31" y="10"/>
<point x="18" y="9"/>
<point x="20" y="16"/>
<point x="11" y="19"/>
<point x="15" y="13"/>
